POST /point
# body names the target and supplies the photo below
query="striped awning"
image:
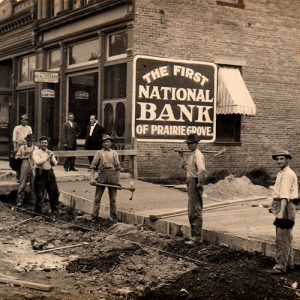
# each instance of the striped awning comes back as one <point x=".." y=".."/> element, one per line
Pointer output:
<point x="233" y="95"/>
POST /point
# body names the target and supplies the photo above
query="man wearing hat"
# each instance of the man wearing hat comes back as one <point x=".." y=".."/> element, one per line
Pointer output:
<point x="195" y="174"/>
<point x="24" y="154"/>
<point x="45" y="180"/>
<point x="18" y="138"/>
<point x="285" y="190"/>
<point x="107" y="162"/>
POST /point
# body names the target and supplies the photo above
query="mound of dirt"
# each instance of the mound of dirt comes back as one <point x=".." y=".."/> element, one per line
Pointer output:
<point x="232" y="188"/>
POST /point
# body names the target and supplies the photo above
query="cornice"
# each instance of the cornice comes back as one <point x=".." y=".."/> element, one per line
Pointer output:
<point x="72" y="15"/>
<point x="16" y="22"/>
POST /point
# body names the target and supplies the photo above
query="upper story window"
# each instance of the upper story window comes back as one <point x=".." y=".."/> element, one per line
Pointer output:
<point x="83" y="53"/>
<point x="117" y="44"/>
<point x="53" y="7"/>
<point x="27" y="67"/>
<point x="53" y="59"/>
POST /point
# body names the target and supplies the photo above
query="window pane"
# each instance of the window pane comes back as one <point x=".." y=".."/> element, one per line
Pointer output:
<point x="84" y="52"/>
<point x="228" y="128"/>
<point x="83" y="95"/>
<point x="120" y="119"/>
<point x="117" y="43"/>
<point x="5" y="76"/>
<point x="108" y="118"/>
<point x="54" y="59"/>
<point x="22" y="103"/>
<point x="31" y="67"/>
<point x="115" y="81"/>
<point x="24" y="70"/>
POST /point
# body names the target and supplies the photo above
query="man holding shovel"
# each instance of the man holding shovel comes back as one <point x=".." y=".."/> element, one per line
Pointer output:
<point x="107" y="162"/>
<point x="285" y="190"/>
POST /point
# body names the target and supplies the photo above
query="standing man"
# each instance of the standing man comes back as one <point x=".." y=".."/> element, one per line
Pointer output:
<point x="24" y="154"/>
<point x="285" y="190"/>
<point x="19" y="134"/>
<point x="45" y="180"/>
<point x="93" y="140"/>
<point x="108" y="164"/>
<point x="195" y="175"/>
<point x="70" y="132"/>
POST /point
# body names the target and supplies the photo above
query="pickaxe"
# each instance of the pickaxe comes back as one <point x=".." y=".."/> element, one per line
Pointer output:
<point x="117" y="186"/>
<point x="181" y="151"/>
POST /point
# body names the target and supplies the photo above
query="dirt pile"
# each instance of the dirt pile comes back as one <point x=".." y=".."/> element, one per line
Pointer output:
<point x="232" y="188"/>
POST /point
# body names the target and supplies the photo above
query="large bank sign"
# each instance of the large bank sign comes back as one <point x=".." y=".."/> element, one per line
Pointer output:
<point x="173" y="98"/>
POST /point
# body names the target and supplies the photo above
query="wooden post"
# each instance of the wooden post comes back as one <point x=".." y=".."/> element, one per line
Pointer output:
<point x="134" y="160"/>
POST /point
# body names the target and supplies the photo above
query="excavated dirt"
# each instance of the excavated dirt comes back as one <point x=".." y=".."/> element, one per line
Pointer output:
<point x="120" y="261"/>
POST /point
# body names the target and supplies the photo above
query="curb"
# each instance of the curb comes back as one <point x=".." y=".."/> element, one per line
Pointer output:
<point x="166" y="227"/>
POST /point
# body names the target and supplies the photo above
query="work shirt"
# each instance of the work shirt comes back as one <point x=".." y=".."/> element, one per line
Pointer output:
<point x="20" y="132"/>
<point x="195" y="165"/>
<point x="42" y="159"/>
<point x="286" y="185"/>
<point x="25" y="152"/>
<point x="106" y="159"/>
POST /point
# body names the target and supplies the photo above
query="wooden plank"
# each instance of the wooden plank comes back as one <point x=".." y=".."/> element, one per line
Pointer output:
<point x="60" y="248"/>
<point x="208" y="207"/>
<point x="28" y="284"/>
<point x="82" y="153"/>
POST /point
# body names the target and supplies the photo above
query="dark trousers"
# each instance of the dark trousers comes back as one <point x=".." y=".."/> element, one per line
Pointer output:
<point x="45" y="181"/>
<point x="69" y="163"/>
<point x="90" y="158"/>
<point x="195" y="206"/>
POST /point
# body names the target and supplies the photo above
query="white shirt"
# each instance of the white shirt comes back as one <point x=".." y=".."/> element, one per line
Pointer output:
<point x="92" y="128"/>
<point x="42" y="159"/>
<point x="20" y="132"/>
<point x="195" y="164"/>
<point x="286" y="185"/>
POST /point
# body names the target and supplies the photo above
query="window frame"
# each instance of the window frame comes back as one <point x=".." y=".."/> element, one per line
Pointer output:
<point x="118" y="56"/>
<point x="87" y="63"/>
<point x="48" y="59"/>
<point x="29" y="80"/>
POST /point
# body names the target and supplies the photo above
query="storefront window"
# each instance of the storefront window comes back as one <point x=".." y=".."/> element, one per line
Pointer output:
<point x="54" y="59"/>
<point x="115" y="81"/>
<point x="26" y="105"/>
<point x="117" y="44"/>
<point x="108" y="118"/>
<point x="84" y="53"/>
<point x="120" y="119"/>
<point x="27" y="67"/>
<point x="83" y="96"/>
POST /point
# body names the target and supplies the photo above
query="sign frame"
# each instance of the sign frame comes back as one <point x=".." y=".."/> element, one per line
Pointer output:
<point x="45" y="77"/>
<point x="172" y="60"/>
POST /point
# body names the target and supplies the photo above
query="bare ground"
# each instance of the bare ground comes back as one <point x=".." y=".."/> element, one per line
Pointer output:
<point x="123" y="262"/>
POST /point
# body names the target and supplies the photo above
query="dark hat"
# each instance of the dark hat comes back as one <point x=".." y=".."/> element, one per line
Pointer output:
<point x="43" y="138"/>
<point x="25" y="116"/>
<point x="107" y="137"/>
<point x="192" y="138"/>
<point x="30" y="137"/>
<point x="284" y="153"/>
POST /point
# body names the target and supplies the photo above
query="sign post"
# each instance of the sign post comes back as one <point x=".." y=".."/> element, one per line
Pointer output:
<point x="173" y="98"/>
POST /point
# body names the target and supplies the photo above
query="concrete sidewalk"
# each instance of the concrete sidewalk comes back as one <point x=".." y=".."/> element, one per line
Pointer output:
<point x="242" y="224"/>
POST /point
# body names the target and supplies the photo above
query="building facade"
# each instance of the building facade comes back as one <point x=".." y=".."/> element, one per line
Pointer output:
<point x="91" y="47"/>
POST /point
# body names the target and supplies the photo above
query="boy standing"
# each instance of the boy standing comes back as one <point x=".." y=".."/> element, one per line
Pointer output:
<point x="107" y="162"/>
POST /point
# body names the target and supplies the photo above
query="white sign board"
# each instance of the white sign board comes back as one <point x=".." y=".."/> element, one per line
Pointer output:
<point x="48" y="77"/>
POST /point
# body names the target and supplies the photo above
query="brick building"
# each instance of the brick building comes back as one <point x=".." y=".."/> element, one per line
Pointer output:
<point x="92" y="45"/>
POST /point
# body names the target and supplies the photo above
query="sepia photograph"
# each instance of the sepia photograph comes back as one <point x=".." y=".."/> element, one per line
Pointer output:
<point x="149" y="149"/>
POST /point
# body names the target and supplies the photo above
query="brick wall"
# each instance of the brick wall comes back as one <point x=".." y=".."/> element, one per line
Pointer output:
<point x="266" y="34"/>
